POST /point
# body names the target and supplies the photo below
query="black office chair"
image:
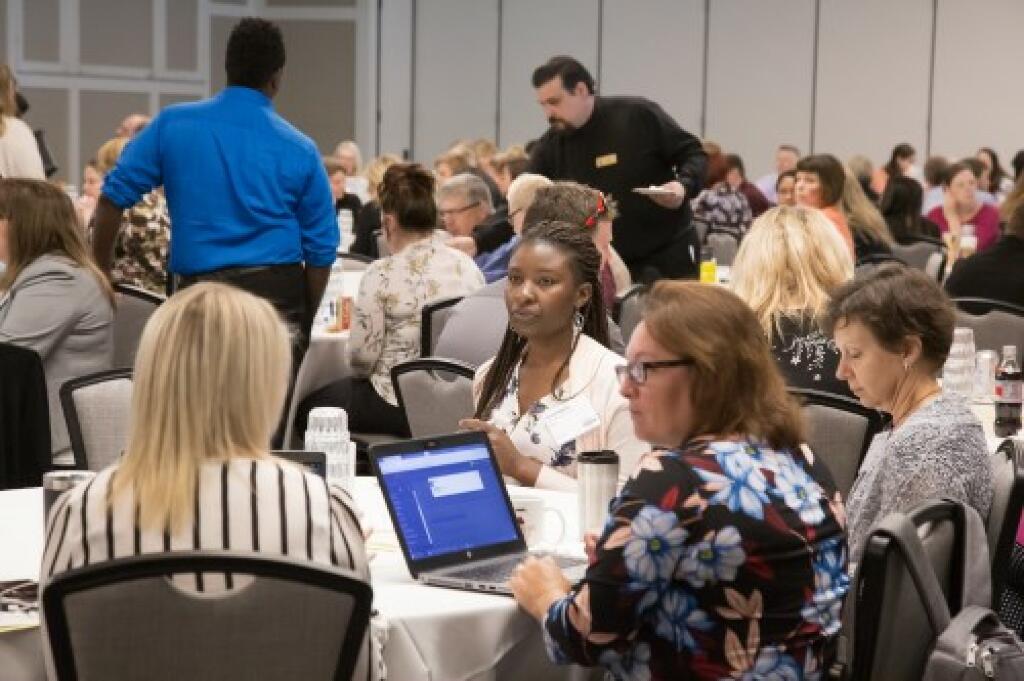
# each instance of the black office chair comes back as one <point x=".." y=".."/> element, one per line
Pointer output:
<point x="1004" y="516"/>
<point x="296" y="620"/>
<point x="628" y="309"/>
<point x="980" y="306"/>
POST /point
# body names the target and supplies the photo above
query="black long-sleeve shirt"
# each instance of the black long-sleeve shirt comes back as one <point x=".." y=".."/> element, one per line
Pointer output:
<point x="628" y="142"/>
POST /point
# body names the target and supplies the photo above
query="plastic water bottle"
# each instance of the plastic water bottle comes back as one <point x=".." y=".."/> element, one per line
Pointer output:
<point x="345" y="226"/>
<point x="1009" y="384"/>
<point x="327" y="432"/>
<point x="958" y="372"/>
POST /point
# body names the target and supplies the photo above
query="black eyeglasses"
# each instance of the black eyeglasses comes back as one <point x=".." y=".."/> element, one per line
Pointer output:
<point x="637" y="371"/>
<point x="455" y="211"/>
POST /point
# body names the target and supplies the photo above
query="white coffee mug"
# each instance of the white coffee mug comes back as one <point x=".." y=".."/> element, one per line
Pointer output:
<point x="530" y="511"/>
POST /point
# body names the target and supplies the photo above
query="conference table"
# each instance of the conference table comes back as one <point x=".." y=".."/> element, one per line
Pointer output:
<point x="427" y="633"/>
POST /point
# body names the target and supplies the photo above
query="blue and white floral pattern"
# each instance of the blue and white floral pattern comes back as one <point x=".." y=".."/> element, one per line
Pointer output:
<point x="720" y="560"/>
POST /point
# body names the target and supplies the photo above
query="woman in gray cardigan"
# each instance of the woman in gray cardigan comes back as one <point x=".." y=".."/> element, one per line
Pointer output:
<point x="894" y="329"/>
<point x="53" y="299"/>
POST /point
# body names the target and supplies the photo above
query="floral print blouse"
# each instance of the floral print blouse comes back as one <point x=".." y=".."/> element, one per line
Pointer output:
<point x="725" y="559"/>
<point x="392" y="293"/>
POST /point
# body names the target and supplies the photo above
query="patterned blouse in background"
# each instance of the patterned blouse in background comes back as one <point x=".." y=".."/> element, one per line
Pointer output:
<point x="140" y="251"/>
<point x="724" y="210"/>
<point x="386" y="321"/>
<point x="725" y="559"/>
<point x="806" y="357"/>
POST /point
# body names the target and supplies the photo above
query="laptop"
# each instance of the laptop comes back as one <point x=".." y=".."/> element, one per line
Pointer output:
<point x="452" y="513"/>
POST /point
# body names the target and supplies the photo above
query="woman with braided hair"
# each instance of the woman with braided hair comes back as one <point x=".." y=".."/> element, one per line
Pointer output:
<point x="551" y="391"/>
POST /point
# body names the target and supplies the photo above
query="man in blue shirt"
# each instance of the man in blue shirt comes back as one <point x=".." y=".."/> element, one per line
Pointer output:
<point x="249" y="200"/>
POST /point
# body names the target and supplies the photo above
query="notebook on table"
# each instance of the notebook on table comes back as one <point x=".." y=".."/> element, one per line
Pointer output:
<point x="452" y="513"/>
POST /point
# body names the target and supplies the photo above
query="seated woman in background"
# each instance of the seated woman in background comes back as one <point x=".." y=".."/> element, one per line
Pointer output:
<point x="901" y="208"/>
<point x="894" y="328"/>
<point x="786" y="270"/>
<point x="961" y="208"/>
<point x="724" y="556"/>
<point x="721" y="206"/>
<point x="198" y="454"/>
<point x="819" y="184"/>
<point x="367" y="223"/>
<point x="140" y="251"/>
<point x="785" y="188"/>
<point x="388" y="310"/>
<point x="553" y="364"/>
<point x="900" y="164"/>
<point x="53" y="299"/>
<point x="871" y="236"/>
<point x="92" y="183"/>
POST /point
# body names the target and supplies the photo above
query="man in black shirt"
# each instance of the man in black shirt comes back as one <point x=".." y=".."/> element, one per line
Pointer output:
<point x="618" y="144"/>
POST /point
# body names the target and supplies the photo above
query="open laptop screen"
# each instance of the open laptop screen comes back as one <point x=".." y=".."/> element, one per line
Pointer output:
<point x="446" y="500"/>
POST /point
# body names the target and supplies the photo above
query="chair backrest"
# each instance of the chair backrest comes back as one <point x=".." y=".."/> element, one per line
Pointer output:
<point x="839" y="432"/>
<point x="724" y="246"/>
<point x="1007" y="504"/>
<point x="295" y="620"/>
<point x="97" y="409"/>
<point x="434" y="393"/>
<point x="980" y="306"/>
<point x="134" y="307"/>
<point x="25" y="452"/>
<point x="918" y="253"/>
<point x="434" y="315"/>
<point x="354" y="262"/>
<point x="993" y="329"/>
<point x="628" y="310"/>
<point x="935" y="267"/>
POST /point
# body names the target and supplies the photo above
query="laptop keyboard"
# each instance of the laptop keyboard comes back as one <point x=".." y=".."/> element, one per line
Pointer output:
<point x="500" y="571"/>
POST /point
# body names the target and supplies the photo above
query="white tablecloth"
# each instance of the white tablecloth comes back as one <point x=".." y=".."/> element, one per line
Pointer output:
<point x="433" y="634"/>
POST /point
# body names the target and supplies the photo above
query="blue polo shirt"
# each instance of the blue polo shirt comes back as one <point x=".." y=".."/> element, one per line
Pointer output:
<point x="244" y="187"/>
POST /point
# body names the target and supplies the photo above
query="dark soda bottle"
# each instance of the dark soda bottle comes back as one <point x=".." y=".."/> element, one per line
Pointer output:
<point x="1009" y="383"/>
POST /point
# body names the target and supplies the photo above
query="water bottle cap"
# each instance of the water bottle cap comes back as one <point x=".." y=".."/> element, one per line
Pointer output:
<point x="329" y="418"/>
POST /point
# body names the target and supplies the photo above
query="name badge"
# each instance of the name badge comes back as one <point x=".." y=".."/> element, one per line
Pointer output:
<point x="567" y="421"/>
<point x="606" y="160"/>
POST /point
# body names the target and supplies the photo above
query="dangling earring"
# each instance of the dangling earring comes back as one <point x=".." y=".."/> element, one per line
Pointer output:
<point x="577" y="322"/>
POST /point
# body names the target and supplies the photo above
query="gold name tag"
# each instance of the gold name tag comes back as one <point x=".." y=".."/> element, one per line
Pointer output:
<point x="606" y="160"/>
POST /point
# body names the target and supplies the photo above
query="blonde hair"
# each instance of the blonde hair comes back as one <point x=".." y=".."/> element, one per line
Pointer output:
<point x="353" y="148"/>
<point x="788" y="265"/>
<point x="861" y="214"/>
<point x="210" y="380"/>
<point x="459" y="158"/>
<point x="8" y="96"/>
<point x="374" y="172"/>
<point x="109" y="152"/>
<point x="41" y="219"/>
<point x="515" y="153"/>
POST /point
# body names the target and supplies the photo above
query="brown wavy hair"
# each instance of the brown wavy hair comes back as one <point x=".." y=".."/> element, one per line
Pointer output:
<point x="736" y="385"/>
<point x="407" y="192"/>
<point x="41" y="219"/>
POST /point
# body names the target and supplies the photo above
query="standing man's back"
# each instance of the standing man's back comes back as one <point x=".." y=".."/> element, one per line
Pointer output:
<point x="247" y="193"/>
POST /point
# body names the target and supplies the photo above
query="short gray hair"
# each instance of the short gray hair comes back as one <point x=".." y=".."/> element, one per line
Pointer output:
<point x="468" y="186"/>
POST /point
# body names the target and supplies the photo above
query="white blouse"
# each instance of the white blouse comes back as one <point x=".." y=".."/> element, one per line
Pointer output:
<point x="585" y="413"/>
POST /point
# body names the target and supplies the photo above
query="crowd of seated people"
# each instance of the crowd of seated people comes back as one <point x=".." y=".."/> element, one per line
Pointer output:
<point x="701" y="380"/>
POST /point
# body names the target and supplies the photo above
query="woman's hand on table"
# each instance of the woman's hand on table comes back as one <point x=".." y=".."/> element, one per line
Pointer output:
<point x="510" y="461"/>
<point x="536" y="583"/>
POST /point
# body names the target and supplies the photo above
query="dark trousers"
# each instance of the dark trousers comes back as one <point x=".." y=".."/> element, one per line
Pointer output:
<point x="367" y="411"/>
<point x="283" y="286"/>
<point x="676" y="260"/>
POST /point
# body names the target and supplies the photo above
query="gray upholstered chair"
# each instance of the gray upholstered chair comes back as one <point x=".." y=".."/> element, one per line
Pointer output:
<point x="434" y="393"/>
<point x="97" y="410"/>
<point x="433" y="316"/>
<point x="919" y="254"/>
<point x="839" y="431"/>
<point x="134" y="306"/>
<point x="724" y="246"/>
<point x="994" y="329"/>
<point x="294" y="620"/>
<point x="628" y="310"/>
<point x="1007" y="504"/>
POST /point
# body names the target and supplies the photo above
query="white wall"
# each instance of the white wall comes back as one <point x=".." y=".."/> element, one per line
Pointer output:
<point x="827" y="75"/>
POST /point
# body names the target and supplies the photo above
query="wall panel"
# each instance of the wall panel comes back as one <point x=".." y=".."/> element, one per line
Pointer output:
<point x="48" y="111"/>
<point x="41" y="37"/>
<point x="532" y="32"/>
<point x="760" y="60"/>
<point x="117" y="32"/>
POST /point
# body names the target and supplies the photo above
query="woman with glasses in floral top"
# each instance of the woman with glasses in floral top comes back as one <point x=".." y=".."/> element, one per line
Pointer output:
<point x="724" y="556"/>
<point x="550" y="393"/>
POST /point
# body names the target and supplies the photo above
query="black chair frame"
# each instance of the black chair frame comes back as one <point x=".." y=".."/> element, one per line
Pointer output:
<point x="452" y="366"/>
<point x="873" y="572"/>
<point x="981" y="306"/>
<point x="620" y="300"/>
<point x="357" y="257"/>
<point x="141" y="294"/>
<point x="67" y="405"/>
<point x="426" y="321"/>
<point x="876" y="419"/>
<point x="879" y="259"/>
<point x="162" y="565"/>
<point x="1013" y="449"/>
